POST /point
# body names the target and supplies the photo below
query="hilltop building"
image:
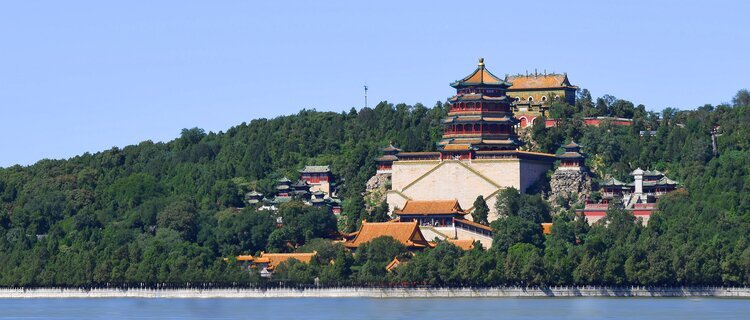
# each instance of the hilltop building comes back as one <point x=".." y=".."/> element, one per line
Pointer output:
<point x="253" y="198"/>
<point x="320" y="178"/>
<point x="315" y="188"/>
<point x="533" y="93"/>
<point x="572" y="159"/>
<point x="284" y="187"/>
<point x="638" y="197"/>
<point x="571" y="181"/>
<point x="478" y="152"/>
<point x="385" y="162"/>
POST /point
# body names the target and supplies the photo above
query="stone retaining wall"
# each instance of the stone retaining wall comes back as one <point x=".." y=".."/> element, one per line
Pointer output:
<point x="351" y="292"/>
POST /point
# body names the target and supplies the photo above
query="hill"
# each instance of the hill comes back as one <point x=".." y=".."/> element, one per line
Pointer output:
<point x="163" y="212"/>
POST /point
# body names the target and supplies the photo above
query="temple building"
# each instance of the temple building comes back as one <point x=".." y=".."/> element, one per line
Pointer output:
<point x="407" y="233"/>
<point x="301" y="190"/>
<point x="533" y="93"/>
<point x="444" y="220"/>
<point x="284" y="187"/>
<point x="478" y="152"/>
<point x="319" y="199"/>
<point x="265" y="263"/>
<point x="253" y="198"/>
<point x="320" y="178"/>
<point x="639" y="197"/>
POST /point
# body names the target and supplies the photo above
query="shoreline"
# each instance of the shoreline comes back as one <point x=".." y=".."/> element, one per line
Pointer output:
<point x="362" y="292"/>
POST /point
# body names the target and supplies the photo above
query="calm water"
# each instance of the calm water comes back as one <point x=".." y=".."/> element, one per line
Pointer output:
<point x="413" y="309"/>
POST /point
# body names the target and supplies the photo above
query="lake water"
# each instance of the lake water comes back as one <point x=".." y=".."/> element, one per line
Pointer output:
<point x="365" y="308"/>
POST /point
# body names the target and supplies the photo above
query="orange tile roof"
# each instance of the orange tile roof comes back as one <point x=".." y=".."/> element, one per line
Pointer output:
<point x="393" y="264"/>
<point x="430" y="207"/>
<point x="538" y="81"/>
<point x="465" y="244"/>
<point x="245" y="258"/>
<point x="547" y="228"/>
<point x="274" y="259"/>
<point x="407" y="233"/>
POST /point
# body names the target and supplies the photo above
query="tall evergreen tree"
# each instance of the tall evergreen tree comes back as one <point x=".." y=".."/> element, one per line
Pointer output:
<point x="481" y="210"/>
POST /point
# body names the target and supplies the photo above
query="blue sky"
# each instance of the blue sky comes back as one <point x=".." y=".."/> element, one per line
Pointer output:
<point x="78" y="76"/>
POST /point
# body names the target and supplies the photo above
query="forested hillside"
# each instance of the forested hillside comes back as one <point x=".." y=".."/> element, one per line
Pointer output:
<point x="162" y="212"/>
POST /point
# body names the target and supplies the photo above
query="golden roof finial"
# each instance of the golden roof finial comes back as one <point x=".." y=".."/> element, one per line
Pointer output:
<point x="481" y="62"/>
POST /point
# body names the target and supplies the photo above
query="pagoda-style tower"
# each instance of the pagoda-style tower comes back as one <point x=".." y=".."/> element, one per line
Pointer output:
<point x="385" y="162"/>
<point x="572" y="159"/>
<point x="480" y="118"/>
<point x="478" y="155"/>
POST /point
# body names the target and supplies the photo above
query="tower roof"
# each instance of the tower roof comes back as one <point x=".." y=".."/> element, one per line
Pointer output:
<point x="571" y="144"/>
<point x="480" y="76"/>
<point x="390" y="148"/>
<point x="570" y="155"/>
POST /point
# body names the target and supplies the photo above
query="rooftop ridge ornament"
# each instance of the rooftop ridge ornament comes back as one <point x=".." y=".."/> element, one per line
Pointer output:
<point x="481" y="62"/>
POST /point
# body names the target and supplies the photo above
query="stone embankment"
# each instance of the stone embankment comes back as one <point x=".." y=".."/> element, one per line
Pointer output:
<point x="351" y="292"/>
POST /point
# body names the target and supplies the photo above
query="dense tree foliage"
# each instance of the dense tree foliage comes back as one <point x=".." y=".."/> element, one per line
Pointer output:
<point x="168" y="212"/>
<point x="171" y="212"/>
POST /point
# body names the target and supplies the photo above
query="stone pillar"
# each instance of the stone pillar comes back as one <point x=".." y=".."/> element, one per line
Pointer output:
<point x="638" y="177"/>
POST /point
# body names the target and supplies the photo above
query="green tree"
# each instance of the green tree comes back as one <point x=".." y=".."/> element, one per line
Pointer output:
<point x="742" y="98"/>
<point x="380" y="214"/>
<point x="178" y="216"/>
<point x="481" y="211"/>
<point x="508" y="202"/>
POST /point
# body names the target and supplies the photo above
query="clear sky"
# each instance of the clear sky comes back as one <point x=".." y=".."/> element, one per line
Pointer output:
<point x="79" y="76"/>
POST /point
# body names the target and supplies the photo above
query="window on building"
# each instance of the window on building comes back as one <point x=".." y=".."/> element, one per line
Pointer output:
<point x="531" y="98"/>
<point x="544" y="98"/>
<point x="518" y="98"/>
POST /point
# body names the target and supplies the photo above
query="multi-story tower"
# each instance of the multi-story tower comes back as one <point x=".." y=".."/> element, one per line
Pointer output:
<point x="480" y="118"/>
<point x="478" y="153"/>
<point x="572" y="159"/>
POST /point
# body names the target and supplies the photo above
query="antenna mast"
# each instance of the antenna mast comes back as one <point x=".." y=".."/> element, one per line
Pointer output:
<point x="365" y="96"/>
